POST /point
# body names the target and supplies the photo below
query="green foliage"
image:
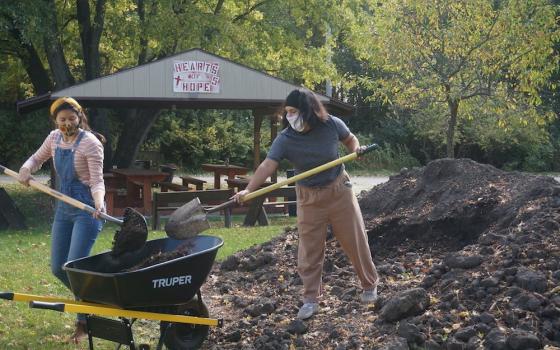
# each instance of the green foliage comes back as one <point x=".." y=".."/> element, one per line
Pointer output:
<point x="195" y="137"/>
<point x="21" y="136"/>
<point x="400" y="62"/>
<point x="388" y="158"/>
<point x="444" y="54"/>
<point x="32" y="204"/>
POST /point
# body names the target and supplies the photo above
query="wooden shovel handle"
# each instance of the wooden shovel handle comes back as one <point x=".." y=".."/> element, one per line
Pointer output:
<point x="54" y="193"/>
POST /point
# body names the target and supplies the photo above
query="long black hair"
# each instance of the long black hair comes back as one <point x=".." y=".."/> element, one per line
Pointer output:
<point x="311" y="109"/>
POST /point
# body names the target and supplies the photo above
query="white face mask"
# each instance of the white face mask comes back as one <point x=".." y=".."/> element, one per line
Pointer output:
<point x="296" y="122"/>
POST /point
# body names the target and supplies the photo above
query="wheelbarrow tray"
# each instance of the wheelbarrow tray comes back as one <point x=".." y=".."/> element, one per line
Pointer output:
<point x="100" y="278"/>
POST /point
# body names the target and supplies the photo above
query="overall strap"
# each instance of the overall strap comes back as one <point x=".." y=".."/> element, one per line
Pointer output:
<point x="77" y="143"/>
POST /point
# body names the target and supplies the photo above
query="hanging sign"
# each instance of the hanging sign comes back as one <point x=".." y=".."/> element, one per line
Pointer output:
<point x="196" y="76"/>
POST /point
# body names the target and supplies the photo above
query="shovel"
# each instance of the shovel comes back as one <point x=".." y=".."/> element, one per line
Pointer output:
<point x="190" y="219"/>
<point x="134" y="229"/>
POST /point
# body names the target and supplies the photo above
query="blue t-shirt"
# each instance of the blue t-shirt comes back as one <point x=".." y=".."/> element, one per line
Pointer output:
<point x="312" y="149"/>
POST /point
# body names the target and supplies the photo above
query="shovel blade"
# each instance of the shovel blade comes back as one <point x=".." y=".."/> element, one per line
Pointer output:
<point x="187" y="221"/>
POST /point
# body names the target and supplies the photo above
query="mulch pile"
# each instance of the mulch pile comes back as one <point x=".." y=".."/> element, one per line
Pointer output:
<point x="468" y="256"/>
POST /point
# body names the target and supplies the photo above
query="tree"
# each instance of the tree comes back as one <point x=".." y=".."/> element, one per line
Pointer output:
<point x="63" y="42"/>
<point x="450" y="62"/>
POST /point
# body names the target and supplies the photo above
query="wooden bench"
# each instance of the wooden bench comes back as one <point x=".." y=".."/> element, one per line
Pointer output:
<point x="165" y="186"/>
<point x="110" y="199"/>
<point x="189" y="180"/>
<point x="170" y="201"/>
<point x="257" y="205"/>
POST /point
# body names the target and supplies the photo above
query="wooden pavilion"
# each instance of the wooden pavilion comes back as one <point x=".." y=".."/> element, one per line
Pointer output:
<point x="193" y="79"/>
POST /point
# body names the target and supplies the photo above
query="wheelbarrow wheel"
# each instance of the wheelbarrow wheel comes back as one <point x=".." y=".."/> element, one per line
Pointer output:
<point x="183" y="336"/>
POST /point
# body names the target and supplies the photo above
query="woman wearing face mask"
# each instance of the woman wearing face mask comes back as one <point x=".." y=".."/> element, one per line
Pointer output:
<point x="310" y="138"/>
<point x="78" y="160"/>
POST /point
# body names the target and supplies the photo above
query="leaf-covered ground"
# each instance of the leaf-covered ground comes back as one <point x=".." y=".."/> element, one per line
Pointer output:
<point x="468" y="256"/>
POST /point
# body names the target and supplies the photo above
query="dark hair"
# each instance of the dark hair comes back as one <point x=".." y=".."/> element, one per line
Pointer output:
<point x="311" y="109"/>
<point x="83" y="123"/>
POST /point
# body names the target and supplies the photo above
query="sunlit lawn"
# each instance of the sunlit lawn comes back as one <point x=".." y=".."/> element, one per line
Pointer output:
<point x="24" y="268"/>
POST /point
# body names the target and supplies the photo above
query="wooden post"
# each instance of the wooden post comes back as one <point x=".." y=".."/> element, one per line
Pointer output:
<point x="257" y="122"/>
<point x="256" y="213"/>
<point x="274" y="124"/>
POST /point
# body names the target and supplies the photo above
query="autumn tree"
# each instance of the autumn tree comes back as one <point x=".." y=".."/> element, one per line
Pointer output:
<point x="450" y="62"/>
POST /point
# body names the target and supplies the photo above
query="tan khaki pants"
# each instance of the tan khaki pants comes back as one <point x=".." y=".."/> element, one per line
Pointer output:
<point x="335" y="204"/>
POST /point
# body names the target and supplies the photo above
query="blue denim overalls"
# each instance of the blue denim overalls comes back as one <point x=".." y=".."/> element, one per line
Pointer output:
<point x="74" y="230"/>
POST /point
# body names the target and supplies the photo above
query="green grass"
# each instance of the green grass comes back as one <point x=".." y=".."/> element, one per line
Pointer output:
<point x="24" y="268"/>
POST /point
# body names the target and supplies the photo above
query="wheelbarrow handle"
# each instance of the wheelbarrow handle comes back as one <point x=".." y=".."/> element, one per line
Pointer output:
<point x="7" y="295"/>
<point x="47" y="306"/>
<point x="106" y="310"/>
<point x="60" y="196"/>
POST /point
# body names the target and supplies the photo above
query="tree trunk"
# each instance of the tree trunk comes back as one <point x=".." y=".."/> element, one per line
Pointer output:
<point x="257" y="122"/>
<point x="90" y="34"/>
<point x="274" y="124"/>
<point x="141" y="11"/>
<point x="54" y="50"/>
<point x="136" y="126"/>
<point x="32" y="63"/>
<point x="452" y="123"/>
<point x="99" y="122"/>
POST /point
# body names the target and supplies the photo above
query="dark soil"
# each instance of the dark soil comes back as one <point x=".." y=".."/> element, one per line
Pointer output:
<point x="154" y="259"/>
<point x="468" y="256"/>
<point x="133" y="233"/>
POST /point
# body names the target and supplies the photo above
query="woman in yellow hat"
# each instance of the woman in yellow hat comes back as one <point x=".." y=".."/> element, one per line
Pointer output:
<point x="78" y="160"/>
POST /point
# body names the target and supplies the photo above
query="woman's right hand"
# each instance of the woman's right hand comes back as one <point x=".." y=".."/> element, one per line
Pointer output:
<point x="24" y="176"/>
<point x="237" y="197"/>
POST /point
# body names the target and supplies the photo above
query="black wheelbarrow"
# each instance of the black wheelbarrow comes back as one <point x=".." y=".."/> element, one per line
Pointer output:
<point x="167" y="291"/>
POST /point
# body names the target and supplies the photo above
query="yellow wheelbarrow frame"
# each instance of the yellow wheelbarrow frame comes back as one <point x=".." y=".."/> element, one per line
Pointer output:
<point x="68" y="305"/>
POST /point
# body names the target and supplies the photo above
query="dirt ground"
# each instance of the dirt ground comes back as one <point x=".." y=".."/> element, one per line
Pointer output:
<point x="468" y="258"/>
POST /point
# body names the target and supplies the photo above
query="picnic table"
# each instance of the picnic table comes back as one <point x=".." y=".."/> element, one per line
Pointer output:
<point x="139" y="178"/>
<point x="224" y="169"/>
<point x="239" y="184"/>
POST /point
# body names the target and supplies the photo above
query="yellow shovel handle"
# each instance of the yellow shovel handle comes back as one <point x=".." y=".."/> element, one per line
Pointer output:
<point x="308" y="173"/>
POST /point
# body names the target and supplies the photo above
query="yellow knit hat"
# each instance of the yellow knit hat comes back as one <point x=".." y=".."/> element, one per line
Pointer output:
<point x="59" y="101"/>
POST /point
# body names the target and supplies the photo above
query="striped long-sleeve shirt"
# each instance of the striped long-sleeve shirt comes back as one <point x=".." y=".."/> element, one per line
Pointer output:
<point x="88" y="159"/>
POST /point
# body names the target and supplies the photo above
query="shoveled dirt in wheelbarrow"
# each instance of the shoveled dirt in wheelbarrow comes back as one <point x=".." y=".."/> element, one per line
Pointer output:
<point x="160" y="257"/>
<point x="468" y="258"/>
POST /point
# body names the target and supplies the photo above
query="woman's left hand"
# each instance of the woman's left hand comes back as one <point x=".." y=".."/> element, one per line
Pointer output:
<point x="99" y="208"/>
<point x="239" y="195"/>
<point x="360" y="151"/>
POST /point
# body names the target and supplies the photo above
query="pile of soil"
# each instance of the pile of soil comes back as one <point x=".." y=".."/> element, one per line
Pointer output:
<point x="468" y="258"/>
